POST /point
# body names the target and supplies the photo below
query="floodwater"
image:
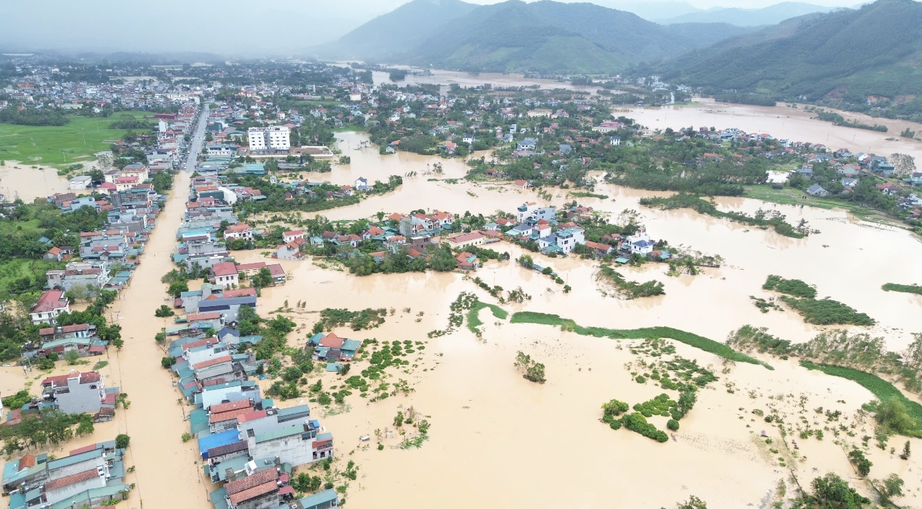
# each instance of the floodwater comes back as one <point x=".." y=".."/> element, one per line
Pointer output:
<point x="28" y="182"/>
<point x="783" y="122"/>
<point x="495" y="434"/>
<point x="497" y="437"/>
<point x="498" y="80"/>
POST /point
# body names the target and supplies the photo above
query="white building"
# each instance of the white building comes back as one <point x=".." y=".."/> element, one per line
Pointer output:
<point x="80" y="183"/>
<point x="257" y="139"/>
<point x="269" y="138"/>
<point x="640" y="243"/>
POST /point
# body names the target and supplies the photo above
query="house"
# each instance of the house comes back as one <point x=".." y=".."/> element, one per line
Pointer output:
<point x="615" y="141"/>
<point x="568" y="238"/>
<point x="50" y="304"/>
<point x="639" y="243"/>
<point x="598" y="248"/>
<point x="527" y="144"/>
<point x="258" y="490"/>
<point x="225" y="274"/>
<point x="80" y="183"/>
<point x="521" y="184"/>
<point x="55" y="254"/>
<point x="238" y="231"/>
<point x="333" y="347"/>
<point x="525" y="211"/>
<point x="466" y="261"/>
<point x="290" y="236"/>
<point x="361" y="184"/>
<point x="75" y="393"/>
<point x="817" y="191"/>
<point x="467" y="239"/>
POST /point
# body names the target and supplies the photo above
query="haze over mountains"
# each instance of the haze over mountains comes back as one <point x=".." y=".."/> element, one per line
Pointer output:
<point x="872" y="51"/>
<point x="516" y="36"/>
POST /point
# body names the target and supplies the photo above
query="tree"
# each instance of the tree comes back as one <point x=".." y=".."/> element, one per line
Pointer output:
<point x="906" y="451"/>
<point x="262" y="278"/>
<point x="693" y="502"/>
<point x="71" y="356"/>
<point x="890" y="487"/>
<point x="831" y="492"/>
<point x="526" y="261"/>
<point x="122" y="440"/>
<point x="163" y="311"/>
<point x="167" y="362"/>
<point x="860" y="461"/>
<point x="614" y="408"/>
<point x="178" y="287"/>
<point x="892" y="416"/>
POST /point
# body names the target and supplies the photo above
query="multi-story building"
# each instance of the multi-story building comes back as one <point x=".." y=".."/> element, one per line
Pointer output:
<point x="275" y="138"/>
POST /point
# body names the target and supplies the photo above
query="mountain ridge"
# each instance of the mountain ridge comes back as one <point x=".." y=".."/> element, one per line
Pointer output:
<point x="511" y="36"/>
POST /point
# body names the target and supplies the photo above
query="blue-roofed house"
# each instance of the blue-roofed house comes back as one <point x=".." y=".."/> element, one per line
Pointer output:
<point x="322" y="500"/>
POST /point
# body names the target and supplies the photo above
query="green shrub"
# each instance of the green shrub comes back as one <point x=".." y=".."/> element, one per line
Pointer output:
<point x="672" y="424"/>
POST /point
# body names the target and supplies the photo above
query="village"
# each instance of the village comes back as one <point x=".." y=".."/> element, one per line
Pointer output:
<point x="261" y="164"/>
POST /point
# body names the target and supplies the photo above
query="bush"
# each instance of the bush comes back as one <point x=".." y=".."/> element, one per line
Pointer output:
<point x="186" y="437"/>
<point x="163" y="311"/>
<point x="793" y="287"/>
<point x="672" y="424"/>
<point x="122" y="440"/>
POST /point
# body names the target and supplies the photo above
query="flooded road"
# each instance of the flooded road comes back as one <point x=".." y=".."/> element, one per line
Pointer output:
<point x="166" y="467"/>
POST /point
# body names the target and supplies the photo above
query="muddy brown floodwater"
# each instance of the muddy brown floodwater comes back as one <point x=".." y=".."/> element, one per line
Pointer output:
<point x="28" y="182"/>
<point x="497" y="437"/>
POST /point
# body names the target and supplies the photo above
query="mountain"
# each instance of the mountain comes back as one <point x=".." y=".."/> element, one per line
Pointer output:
<point x="650" y="11"/>
<point x="542" y="36"/>
<point x="770" y="15"/>
<point x="848" y="55"/>
<point x="391" y="34"/>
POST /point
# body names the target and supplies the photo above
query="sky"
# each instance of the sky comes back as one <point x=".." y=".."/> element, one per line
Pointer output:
<point x="237" y="27"/>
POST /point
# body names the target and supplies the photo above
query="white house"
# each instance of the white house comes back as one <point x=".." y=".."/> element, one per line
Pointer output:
<point x="225" y="274"/>
<point x="238" y="231"/>
<point x="361" y="184"/>
<point x="292" y="235"/>
<point x="80" y="183"/>
<point x="525" y="211"/>
<point x="640" y="243"/>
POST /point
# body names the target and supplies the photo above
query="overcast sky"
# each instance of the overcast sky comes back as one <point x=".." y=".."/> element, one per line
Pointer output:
<point x="243" y="27"/>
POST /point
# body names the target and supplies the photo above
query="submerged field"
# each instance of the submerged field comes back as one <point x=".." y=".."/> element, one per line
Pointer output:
<point x="76" y="141"/>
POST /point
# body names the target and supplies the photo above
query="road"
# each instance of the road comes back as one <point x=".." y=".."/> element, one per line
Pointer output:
<point x="167" y="470"/>
<point x="198" y="138"/>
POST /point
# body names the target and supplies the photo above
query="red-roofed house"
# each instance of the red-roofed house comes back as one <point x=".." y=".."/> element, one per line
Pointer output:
<point x="238" y="231"/>
<point x="50" y="304"/>
<point x="292" y="235"/>
<point x="225" y="274"/>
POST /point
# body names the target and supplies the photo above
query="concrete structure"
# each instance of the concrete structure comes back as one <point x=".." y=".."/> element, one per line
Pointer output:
<point x="275" y="138"/>
<point x="80" y="183"/>
<point x="75" y="393"/>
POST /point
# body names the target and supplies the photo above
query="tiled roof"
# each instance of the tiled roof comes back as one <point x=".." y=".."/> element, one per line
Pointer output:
<point x="233" y="405"/>
<point x="252" y="493"/>
<point x="252" y="481"/>
<point x="70" y="480"/>
<point x="212" y="362"/>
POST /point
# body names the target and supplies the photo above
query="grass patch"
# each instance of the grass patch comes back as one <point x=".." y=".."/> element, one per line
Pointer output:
<point x="583" y="194"/>
<point x="882" y="389"/>
<point x="693" y="340"/>
<point x="473" y="316"/>
<point x="827" y="312"/>
<point x="793" y="287"/>
<point x="762" y="219"/>
<point x="78" y="140"/>
<point x="893" y="287"/>
<point x="14" y="272"/>
<point x="631" y="289"/>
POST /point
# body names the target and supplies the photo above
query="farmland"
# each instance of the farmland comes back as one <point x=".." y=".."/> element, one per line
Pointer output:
<point x="76" y="141"/>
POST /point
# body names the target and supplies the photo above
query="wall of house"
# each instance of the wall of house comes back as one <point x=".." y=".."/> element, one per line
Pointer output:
<point x="268" y="501"/>
<point x="290" y="449"/>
